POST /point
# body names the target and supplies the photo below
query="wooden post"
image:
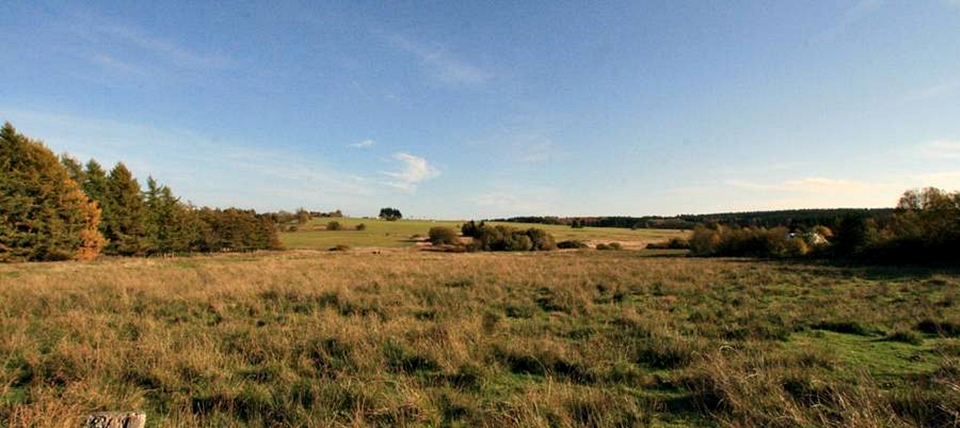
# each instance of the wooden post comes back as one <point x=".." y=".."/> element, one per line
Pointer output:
<point x="116" y="420"/>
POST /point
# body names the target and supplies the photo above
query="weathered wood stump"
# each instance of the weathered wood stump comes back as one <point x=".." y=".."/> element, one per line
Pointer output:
<point x="116" y="420"/>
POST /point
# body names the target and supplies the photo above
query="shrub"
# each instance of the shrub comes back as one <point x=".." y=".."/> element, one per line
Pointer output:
<point x="361" y="226"/>
<point x="443" y="236"/>
<point x="613" y="246"/>
<point x="503" y="238"/>
<point x="725" y="241"/>
<point x="672" y="244"/>
<point x="573" y="243"/>
<point x="334" y="225"/>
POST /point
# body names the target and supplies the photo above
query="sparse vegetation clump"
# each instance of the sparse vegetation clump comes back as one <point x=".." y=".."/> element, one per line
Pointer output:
<point x="334" y="225"/>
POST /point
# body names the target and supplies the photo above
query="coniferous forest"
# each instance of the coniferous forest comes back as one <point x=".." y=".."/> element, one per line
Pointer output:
<point x="57" y="208"/>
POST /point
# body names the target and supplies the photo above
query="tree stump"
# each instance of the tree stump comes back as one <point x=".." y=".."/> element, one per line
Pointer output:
<point x="116" y="420"/>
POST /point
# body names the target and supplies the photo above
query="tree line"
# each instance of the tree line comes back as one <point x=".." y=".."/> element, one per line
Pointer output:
<point x="59" y="208"/>
<point x="804" y="219"/>
<point x="924" y="228"/>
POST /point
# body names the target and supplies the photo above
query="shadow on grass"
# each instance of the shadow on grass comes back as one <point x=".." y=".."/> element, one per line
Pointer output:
<point x="847" y="269"/>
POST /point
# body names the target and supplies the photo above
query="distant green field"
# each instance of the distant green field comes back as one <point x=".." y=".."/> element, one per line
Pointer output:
<point x="380" y="233"/>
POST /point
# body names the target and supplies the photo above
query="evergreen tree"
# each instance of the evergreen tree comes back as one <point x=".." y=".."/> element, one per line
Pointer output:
<point x="74" y="168"/>
<point x="123" y="213"/>
<point x="95" y="184"/>
<point x="43" y="213"/>
<point x="169" y="226"/>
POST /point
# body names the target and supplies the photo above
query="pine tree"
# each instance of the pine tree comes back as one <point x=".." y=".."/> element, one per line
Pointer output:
<point x="74" y="168"/>
<point x="95" y="183"/>
<point x="123" y="213"/>
<point x="169" y="225"/>
<point x="43" y="213"/>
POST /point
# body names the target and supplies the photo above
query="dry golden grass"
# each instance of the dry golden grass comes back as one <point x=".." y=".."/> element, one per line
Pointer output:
<point x="406" y="338"/>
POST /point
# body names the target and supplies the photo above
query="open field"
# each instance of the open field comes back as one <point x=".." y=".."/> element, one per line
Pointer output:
<point x="381" y="233"/>
<point x="406" y="338"/>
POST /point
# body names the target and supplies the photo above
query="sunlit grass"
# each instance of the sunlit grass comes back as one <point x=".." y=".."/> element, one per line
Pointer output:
<point x="401" y="233"/>
<point x="407" y="338"/>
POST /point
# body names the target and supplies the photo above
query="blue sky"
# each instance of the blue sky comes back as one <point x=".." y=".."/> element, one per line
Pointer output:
<point x="495" y="108"/>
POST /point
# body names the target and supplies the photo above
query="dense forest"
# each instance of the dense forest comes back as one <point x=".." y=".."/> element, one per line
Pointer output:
<point x="58" y="209"/>
<point x="801" y="219"/>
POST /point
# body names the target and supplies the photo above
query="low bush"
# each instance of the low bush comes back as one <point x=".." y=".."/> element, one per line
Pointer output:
<point x="573" y="243"/>
<point x="613" y="246"/>
<point x="443" y="236"/>
<point x="504" y="238"/>
<point x="672" y="244"/>
<point x="334" y="225"/>
<point x="722" y="241"/>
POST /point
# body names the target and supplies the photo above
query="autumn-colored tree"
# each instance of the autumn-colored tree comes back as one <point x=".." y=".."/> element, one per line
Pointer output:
<point x="43" y="213"/>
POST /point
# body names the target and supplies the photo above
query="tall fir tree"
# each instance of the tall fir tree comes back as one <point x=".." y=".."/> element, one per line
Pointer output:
<point x="123" y="213"/>
<point x="169" y="225"/>
<point x="74" y="168"/>
<point x="95" y="183"/>
<point x="44" y="215"/>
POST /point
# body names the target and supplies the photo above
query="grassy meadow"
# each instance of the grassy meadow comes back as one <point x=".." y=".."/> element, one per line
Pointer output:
<point x="402" y="233"/>
<point x="410" y="338"/>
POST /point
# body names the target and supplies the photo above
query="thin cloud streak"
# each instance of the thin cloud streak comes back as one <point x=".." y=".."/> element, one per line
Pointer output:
<point x="440" y="65"/>
<point x="365" y="144"/>
<point x="178" y="157"/>
<point x="166" y="49"/>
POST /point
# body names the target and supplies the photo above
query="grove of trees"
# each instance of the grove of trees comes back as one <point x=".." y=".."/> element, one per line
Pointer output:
<point x="58" y="209"/>
<point x="924" y="228"/>
<point x="44" y="215"/>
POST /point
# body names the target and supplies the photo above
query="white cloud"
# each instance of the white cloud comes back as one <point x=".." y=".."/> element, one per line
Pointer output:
<point x="414" y="169"/>
<point x="440" y="65"/>
<point x="940" y="149"/>
<point x="947" y="180"/>
<point x="363" y="144"/>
